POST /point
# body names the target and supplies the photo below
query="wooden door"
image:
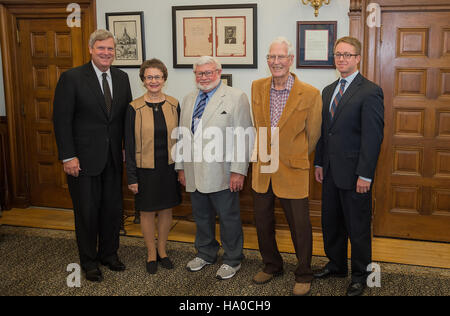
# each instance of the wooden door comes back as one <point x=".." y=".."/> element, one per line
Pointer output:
<point x="412" y="195"/>
<point x="48" y="47"/>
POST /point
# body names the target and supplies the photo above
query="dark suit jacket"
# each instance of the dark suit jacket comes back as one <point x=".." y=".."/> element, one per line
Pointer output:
<point x="82" y="127"/>
<point x="350" y="142"/>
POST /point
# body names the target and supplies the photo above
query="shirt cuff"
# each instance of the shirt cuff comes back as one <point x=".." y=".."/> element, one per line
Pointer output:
<point x="68" y="159"/>
<point x="366" y="179"/>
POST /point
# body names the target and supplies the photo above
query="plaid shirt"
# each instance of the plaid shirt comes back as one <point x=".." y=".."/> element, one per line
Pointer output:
<point x="278" y="99"/>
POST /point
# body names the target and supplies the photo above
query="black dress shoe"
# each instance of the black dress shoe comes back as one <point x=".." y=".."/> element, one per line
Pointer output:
<point x="94" y="275"/>
<point x="356" y="289"/>
<point x="326" y="273"/>
<point x="152" y="267"/>
<point x="115" y="265"/>
<point x="165" y="262"/>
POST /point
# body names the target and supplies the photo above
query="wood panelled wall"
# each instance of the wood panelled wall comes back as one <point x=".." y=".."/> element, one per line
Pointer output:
<point x="408" y="55"/>
<point x="4" y="187"/>
<point x="11" y="12"/>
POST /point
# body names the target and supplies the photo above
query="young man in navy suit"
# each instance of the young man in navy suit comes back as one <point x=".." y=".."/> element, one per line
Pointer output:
<point x="88" y="115"/>
<point x="346" y="158"/>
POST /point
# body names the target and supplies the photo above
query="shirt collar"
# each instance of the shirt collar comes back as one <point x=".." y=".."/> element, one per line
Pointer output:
<point x="210" y="93"/>
<point x="288" y="86"/>
<point x="99" y="73"/>
<point x="350" y="78"/>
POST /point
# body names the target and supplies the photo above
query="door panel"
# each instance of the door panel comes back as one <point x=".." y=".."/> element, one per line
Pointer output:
<point x="412" y="196"/>
<point x="48" y="47"/>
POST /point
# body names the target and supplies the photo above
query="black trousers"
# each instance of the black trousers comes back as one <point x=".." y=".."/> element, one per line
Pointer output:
<point x="97" y="202"/>
<point x="346" y="214"/>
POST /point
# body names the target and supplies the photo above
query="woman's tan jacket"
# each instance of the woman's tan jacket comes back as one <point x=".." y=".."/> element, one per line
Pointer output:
<point x="299" y="131"/>
<point x="144" y="130"/>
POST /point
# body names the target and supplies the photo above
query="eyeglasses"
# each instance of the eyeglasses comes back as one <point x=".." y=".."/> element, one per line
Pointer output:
<point x="281" y="58"/>
<point x="345" y="55"/>
<point x="208" y="73"/>
<point x="150" y="78"/>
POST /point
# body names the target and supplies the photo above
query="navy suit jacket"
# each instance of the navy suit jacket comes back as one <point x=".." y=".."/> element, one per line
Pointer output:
<point x="83" y="129"/>
<point x="350" y="142"/>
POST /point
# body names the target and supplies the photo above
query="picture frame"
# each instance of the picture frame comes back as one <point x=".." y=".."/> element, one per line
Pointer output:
<point x="315" y="43"/>
<point x="128" y="29"/>
<point x="227" y="32"/>
<point x="227" y="79"/>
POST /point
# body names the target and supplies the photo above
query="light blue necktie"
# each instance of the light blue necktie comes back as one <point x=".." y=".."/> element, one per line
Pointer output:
<point x="198" y="112"/>
<point x="337" y="98"/>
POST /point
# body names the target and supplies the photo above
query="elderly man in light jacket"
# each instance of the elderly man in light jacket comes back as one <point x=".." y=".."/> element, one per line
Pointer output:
<point x="213" y="163"/>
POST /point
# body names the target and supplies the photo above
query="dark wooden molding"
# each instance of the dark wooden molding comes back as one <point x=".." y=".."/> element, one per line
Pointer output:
<point x="356" y="5"/>
<point x="5" y="193"/>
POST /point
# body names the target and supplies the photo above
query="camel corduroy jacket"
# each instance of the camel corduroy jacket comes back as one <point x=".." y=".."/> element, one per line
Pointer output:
<point x="299" y="130"/>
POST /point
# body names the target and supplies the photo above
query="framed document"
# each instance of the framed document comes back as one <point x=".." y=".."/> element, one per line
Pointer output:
<point x="128" y="28"/>
<point x="227" y="32"/>
<point x="231" y="41"/>
<point x="227" y="79"/>
<point x="315" y="42"/>
<point x="197" y="32"/>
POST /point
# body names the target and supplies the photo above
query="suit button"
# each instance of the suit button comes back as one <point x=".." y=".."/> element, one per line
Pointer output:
<point x="107" y="140"/>
<point x="330" y="134"/>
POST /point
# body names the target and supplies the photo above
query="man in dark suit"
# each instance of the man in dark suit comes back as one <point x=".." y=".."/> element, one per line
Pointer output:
<point x="88" y="115"/>
<point x="346" y="158"/>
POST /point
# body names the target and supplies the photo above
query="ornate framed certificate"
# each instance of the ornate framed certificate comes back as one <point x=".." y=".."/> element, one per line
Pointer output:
<point x="315" y="42"/>
<point x="228" y="32"/>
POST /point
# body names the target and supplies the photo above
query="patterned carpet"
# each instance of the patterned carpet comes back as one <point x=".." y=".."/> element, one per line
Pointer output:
<point x="34" y="262"/>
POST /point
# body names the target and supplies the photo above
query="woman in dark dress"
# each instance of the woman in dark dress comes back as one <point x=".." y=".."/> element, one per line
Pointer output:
<point x="150" y="169"/>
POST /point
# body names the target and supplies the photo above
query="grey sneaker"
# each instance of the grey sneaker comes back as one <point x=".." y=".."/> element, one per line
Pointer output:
<point x="227" y="272"/>
<point x="196" y="264"/>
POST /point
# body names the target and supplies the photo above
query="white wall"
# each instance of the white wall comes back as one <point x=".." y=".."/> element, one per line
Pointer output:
<point x="275" y="18"/>
<point x="2" y="91"/>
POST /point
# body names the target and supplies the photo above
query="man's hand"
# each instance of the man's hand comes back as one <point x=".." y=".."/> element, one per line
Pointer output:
<point x="134" y="188"/>
<point x="236" y="182"/>
<point x="181" y="177"/>
<point x="318" y="173"/>
<point x="72" y="167"/>
<point x="362" y="186"/>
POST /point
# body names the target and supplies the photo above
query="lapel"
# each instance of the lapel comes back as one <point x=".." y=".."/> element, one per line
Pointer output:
<point x="213" y="105"/>
<point x="115" y="90"/>
<point x="351" y="90"/>
<point x="266" y="105"/>
<point x="292" y="102"/>
<point x="190" y="105"/>
<point x="327" y="101"/>
<point x="94" y="85"/>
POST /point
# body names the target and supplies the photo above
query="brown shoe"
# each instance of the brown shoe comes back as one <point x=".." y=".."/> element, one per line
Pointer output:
<point x="261" y="277"/>
<point x="301" y="289"/>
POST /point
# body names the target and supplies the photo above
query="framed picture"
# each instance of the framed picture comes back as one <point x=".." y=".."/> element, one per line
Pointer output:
<point x="227" y="79"/>
<point x="315" y="42"/>
<point x="227" y="32"/>
<point x="128" y="28"/>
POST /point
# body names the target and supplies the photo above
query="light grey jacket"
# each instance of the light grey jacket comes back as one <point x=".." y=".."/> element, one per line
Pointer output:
<point x="208" y="167"/>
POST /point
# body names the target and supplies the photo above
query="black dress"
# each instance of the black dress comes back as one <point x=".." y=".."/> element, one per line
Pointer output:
<point x="158" y="188"/>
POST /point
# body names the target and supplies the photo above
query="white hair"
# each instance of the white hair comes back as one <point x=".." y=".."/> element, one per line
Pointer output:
<point x="207" y="60"/>
<point x="283" y="40"/>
